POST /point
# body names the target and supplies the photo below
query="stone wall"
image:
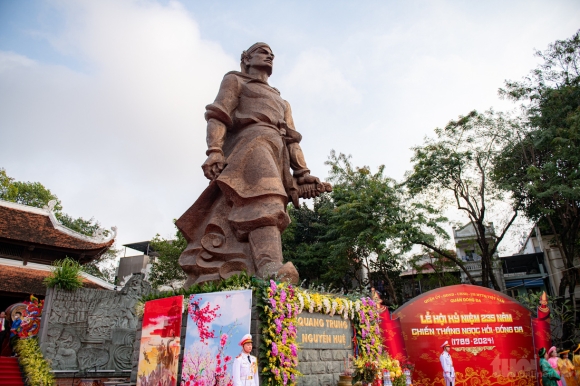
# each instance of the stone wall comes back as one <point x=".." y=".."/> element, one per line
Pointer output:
<point x="321" y="367"/>
<point x="91" y="332"/>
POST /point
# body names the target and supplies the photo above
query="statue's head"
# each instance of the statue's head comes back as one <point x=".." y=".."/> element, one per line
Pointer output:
<point x="259" y="55"/>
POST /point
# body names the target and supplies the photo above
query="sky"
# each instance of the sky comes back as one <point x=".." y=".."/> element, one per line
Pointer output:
<point x="103" y="101"/>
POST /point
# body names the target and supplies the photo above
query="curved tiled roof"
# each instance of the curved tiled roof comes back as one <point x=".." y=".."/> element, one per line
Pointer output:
<point x="39" y="226"/>
<point x="28" y="280"/>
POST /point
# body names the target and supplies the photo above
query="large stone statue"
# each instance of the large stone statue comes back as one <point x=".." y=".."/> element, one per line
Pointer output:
<point x="256" y="166"/>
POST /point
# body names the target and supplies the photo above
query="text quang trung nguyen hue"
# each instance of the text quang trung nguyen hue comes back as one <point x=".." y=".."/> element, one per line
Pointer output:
<point x="325" y="331"/>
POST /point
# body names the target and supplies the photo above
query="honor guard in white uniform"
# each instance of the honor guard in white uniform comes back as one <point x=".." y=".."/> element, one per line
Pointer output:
<point x="245" y="369"/>
<point x="447" y="365"/>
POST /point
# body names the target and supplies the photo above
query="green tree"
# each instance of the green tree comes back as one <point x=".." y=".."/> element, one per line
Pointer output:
<point x="458" y="164"/>
<point x="165" y="270"/>
<point x="361" y="225"/>
<point x="26" y="193"/>
<point x="37" y="195"/>
<point x="7" y="188"/>
<point x="560" y="315"/>
<point x="80" y="225"/>
<point x="105" y="266"/>
<point x="541" y="167"/>
<point x="302" y="242"/>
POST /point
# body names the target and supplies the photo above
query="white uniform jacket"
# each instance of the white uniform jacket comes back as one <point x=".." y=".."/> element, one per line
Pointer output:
<point x="245" y="370"/>
<point x="447" y="365"/>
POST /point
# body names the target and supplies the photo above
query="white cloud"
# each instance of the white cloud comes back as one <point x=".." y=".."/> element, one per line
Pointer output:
<point x="315" y="77"/>
<point x="125" y="141"/>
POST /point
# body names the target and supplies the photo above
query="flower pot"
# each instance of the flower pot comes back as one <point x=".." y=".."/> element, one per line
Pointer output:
<point x="344" y="380"/>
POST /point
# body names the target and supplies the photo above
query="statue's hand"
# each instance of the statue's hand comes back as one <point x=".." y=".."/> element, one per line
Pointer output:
<point x="213" y="165"/>
<point x="310" y="186"/>
<point x="307" y="179"/>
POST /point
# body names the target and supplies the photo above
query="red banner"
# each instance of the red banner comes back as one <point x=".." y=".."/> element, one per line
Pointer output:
<point x="490" y="336"/>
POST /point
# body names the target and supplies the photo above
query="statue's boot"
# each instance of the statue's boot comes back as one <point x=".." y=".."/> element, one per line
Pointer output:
<point x="266" y="249"/>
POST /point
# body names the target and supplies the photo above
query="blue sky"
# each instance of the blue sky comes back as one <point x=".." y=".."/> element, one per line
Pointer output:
<point x="103" y="101"/>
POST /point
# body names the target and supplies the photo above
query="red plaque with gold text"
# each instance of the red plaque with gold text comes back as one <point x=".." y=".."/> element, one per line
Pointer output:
<point x="489" y="332"/>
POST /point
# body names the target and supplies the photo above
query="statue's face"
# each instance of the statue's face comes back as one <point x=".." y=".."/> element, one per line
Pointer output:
<point x="262" y="58"/>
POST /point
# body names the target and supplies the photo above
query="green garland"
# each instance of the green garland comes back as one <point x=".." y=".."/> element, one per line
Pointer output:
<point x="37" y="370"/>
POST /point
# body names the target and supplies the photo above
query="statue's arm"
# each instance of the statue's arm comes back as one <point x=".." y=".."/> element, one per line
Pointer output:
<point x="216" y="161"/>
<point x="219" y="118"/>
<point x="293" y="138"/>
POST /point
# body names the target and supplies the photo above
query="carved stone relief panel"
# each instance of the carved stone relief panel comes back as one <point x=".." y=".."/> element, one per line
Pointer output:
<point x="93" y="329"/>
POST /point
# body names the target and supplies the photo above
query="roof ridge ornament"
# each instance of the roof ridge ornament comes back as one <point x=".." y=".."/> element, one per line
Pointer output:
<point x="50" y="206"/>
<point x="104" y="235"/>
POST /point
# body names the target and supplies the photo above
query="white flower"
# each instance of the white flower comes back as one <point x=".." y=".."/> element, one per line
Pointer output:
<point x="301" y="300"/>
<point x="310" y="303"/>
<point x="333" y="308"/>
<point x="357" y="305"/>
<point x="326" y="303"/>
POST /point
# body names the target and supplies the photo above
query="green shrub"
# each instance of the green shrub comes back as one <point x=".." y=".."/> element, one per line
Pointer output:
<point x="235" y="282"/>
<point x="65" y="275"/>
<point x="36" y="369"/>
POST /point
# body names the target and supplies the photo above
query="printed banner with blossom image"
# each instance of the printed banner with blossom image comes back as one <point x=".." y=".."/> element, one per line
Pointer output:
<point x="216" y="323"/>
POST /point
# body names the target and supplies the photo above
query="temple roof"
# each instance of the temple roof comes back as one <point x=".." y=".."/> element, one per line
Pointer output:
<point x="38" y="228"/>
<point x="29" y="279"/>
<point x="32" y="234"/>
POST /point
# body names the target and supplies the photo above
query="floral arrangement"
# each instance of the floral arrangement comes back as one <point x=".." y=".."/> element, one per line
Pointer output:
<point x="36" y="369"/>
<point x="368" y="344"/>
<point x="282" y="303"/>
<point x="280" y="356"/>
<point x="367" y="370"/>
